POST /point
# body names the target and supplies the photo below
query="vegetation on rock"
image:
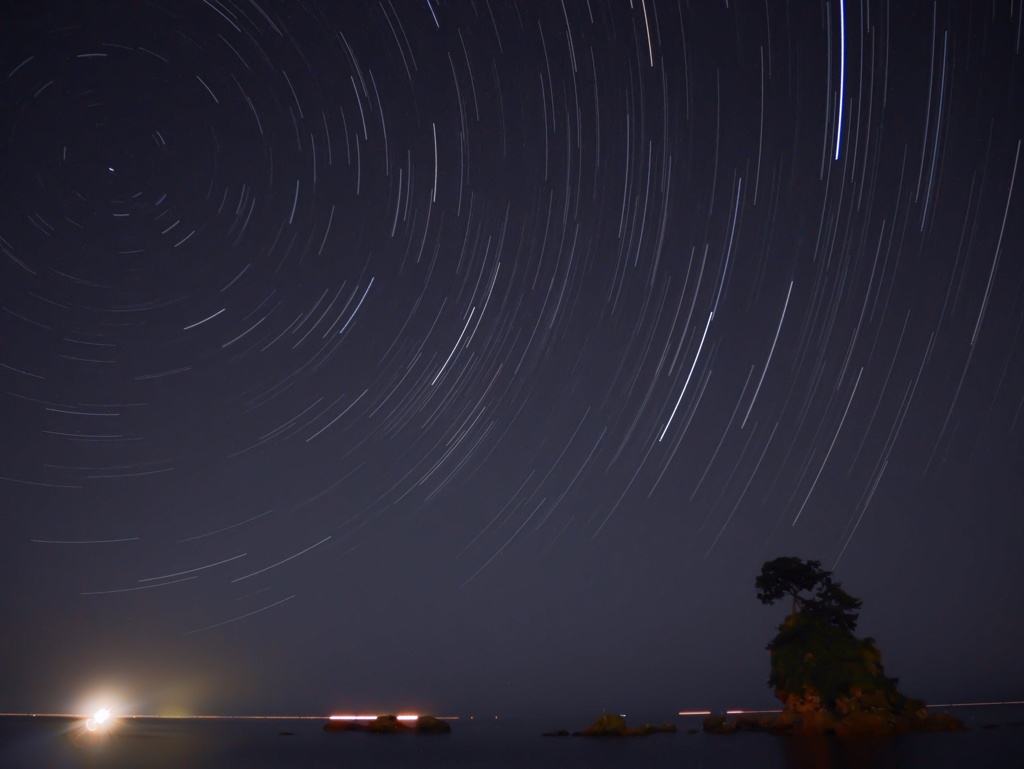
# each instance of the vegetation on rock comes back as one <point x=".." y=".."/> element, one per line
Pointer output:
<point x="814" y="662"/>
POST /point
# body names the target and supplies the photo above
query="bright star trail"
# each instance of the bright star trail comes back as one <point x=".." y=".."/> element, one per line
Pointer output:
<point x="467" y="356"/>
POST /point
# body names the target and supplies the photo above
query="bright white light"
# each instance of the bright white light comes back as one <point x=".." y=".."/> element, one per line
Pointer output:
<point x="101" y="720"/>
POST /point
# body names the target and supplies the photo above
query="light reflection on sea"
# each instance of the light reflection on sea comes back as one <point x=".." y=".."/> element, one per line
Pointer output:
<point x="31" y="743"/>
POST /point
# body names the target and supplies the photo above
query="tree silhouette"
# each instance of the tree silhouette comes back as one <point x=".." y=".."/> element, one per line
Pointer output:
<point x="834" y="606"/>
<point x="813" y="591"/>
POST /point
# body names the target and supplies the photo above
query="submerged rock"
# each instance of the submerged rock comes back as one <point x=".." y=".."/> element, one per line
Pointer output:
<point x="752" y="723"/>
<point x="614" y="725"/>
<point x="718" y="725"/>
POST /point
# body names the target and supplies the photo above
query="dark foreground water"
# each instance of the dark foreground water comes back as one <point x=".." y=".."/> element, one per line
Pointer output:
<point x="49" y="743"/>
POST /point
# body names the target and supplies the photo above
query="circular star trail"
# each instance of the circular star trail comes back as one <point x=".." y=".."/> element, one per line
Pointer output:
<point x="479" y="310"/>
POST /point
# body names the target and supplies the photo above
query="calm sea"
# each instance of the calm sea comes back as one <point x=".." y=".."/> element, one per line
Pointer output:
<point x="49" y="743"/>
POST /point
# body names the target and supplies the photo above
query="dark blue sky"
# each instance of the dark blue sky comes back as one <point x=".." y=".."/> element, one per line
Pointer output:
<point x="472" y="356"/>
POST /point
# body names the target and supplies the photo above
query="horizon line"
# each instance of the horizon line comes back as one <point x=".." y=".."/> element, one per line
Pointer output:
<point x="335" y="717"/>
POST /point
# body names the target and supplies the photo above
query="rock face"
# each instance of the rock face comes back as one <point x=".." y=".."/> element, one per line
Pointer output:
<point x="391" y="725"/>
<point x="614" y="725"/>
<point x="829" y="681"/>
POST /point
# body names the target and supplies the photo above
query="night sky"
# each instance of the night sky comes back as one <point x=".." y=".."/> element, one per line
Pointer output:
<point x="472" y="356"/>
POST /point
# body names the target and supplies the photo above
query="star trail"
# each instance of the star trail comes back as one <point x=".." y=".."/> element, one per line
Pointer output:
<point x="515" y="333"/>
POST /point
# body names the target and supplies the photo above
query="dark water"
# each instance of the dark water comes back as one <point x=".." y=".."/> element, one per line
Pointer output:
<point x="47" y="743"/>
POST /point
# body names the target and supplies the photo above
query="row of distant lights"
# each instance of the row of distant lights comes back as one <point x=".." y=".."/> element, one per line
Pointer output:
<point x="101" y="718"/>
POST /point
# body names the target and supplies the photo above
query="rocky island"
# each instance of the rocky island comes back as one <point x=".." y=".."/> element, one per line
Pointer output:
<point x="391" y="724"/>
<point x="828" y="680"/>
<point x="614" y="725"/>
